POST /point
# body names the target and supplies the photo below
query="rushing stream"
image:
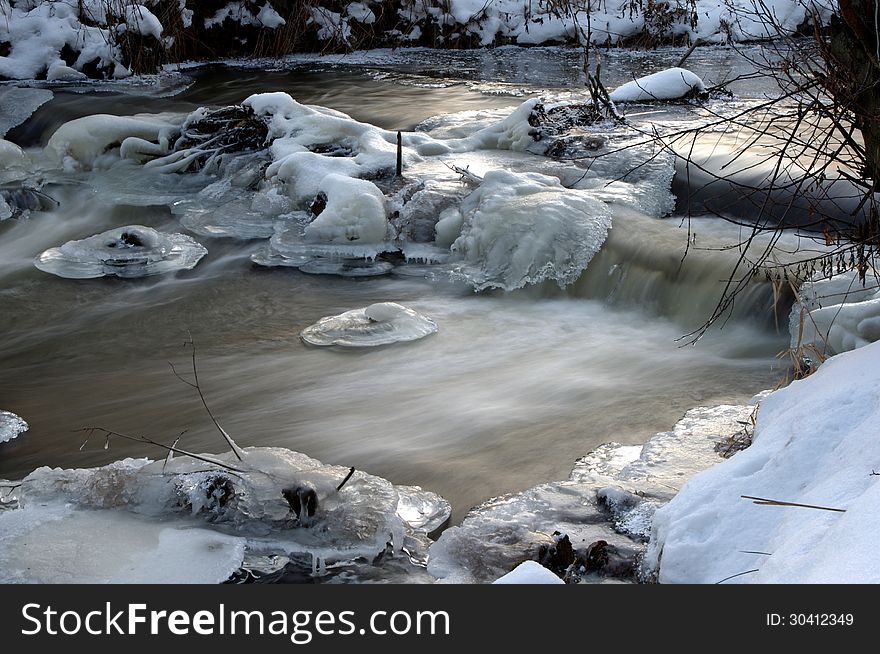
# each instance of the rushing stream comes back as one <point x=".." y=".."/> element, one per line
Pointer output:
<point x="513" y="387"/>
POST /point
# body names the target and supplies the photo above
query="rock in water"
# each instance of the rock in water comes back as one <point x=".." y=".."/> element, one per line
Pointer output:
<point x="378" y="324"/>
<point x="670" y="84"/>
<point x="133" y="251"/>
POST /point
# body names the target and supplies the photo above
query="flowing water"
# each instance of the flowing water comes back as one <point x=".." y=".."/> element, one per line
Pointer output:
<point x="511" y="390"/>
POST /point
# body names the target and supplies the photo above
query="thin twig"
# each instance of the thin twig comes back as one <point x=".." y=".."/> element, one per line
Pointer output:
<point x="738" y="574"/>
<point x="767" y="502"/>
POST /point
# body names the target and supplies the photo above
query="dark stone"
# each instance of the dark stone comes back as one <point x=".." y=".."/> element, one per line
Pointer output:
<point x="558" y="556"/>
<point x="131" y="240"/>
<point x="608" y="560"/>
<point x="318" y="204"/>
<point x="302" y="498"/>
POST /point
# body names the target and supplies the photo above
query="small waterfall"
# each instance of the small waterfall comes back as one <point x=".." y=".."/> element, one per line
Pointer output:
<point x="647" y="263"/>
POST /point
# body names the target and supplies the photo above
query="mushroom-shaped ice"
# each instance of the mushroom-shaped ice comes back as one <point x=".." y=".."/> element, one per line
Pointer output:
<point x="11" y="426"/>
<point x="378" y="324"/>
<point x="132" y="251"/>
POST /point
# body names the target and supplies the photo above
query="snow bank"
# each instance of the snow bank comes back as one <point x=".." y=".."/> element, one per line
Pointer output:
<point x="11" y="426"/>
<point x="41" y="34"/>
<point x="815" y="443"/>
<point x="378" y="324"/>
<point x="836" y="314"/>
<point x="523" y="228"/>
<point x="533" y="22"/>
<point x="669" y="84"/>
<point x="38" y="32"/>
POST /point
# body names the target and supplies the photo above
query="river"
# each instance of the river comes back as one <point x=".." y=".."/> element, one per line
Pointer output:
<point x="513" y="388"/>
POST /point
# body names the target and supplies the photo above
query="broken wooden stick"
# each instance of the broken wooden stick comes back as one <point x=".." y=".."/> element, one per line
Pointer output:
<point x="768" y="502"/>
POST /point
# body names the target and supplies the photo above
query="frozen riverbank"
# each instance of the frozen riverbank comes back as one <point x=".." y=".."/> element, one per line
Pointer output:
<point x="814" y="460"/>
<point x="67" y="40"/>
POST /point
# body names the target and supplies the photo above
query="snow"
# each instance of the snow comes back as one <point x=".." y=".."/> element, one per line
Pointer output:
<point x="268" y="17"/>
<point x="361" y="12"/>
<point x="355" y="212"/>
<point x="131" y="251"/>
<point x="529" y="572"/>
<point x="80" y="142"/>
<point x="11" y="426"/>
<point x="523" y="228"/>
<point x="382" y="323"/>
<point x="141" y="20"/>
<point x="190" y="520"/>
<point x="669" y="84"/>
<point x="38" y="32"/>
<point x="836" y="314"/>
<point x="19" y="104"/>
<point x="815" y="443"/>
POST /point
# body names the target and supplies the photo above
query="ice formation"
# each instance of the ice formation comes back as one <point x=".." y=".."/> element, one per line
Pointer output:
<point x="378" y="324"/>
<point x="11" y="157"/>
<point x="290" y="247"/>
<point x="57" y="544"/>
<point x="815" y="443"/>
<point x="132" y="251"/>
<point x="11" y="426"/>
<point x="669" y="84"/>
<point x="836" y="314"/>
<point x="18" y="200"/>
<point x="322" y="186"/>
<point x="188" y="520"/>
<point x="80" y="142"/>
<point x="19" y="104"/>
<point x="611" y="496"/>
<point x="519" y="229"/>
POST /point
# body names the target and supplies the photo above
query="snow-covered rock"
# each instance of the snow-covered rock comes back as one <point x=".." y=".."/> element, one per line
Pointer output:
<point x="669" y="84"/>
<point x="815" y="443"/>
<point x="80" y="142"/>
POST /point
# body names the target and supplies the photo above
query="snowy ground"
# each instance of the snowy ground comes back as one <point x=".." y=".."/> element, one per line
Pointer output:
<point x="66" y="40"/>
<point x="815" y="443"/>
